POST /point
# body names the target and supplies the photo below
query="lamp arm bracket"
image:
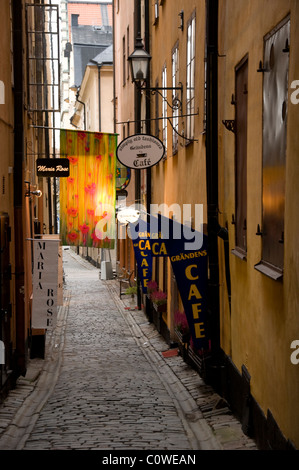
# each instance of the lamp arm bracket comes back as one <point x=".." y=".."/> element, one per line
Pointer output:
<point x="176" y="102"/>
<point x="181" y="135"/>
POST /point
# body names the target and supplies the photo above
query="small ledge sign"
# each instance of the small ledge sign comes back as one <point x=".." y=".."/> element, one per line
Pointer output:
<point x="140" y="151"/>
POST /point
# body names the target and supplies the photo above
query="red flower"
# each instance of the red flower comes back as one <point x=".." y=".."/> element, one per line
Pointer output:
<point x="70" y="180"/>
<point x="159" y="297"/>
<point x="81" y="135"/>
<point x="73" y="160"/>
<point x="91" y="188"/>
<point x="151" y="286"/>
<point x="96" y="238"/>
<point x="72" y="236"/>
<point x="72" y="211"/>
<point x="84" y="228"/>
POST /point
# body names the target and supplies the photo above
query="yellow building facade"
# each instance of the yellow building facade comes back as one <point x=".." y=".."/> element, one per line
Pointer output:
<point x="227" y="114"/>
<point x="257" y="47"/>
<point x="178" y="59"/>
<point x="26" y="133"/>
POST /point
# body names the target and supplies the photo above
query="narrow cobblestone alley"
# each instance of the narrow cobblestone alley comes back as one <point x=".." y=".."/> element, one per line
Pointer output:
<point x="105" y="385"/>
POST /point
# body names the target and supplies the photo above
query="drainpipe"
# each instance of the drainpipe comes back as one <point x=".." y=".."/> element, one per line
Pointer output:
<point x="84" y="111"/>
<point x="137" y="32"/>
<point x="148" y="131"/>
<point x="212" y="177"/>
<point x="99" y="89"/>
<point x="18" y="186"/>
<point x="148" y="114"/>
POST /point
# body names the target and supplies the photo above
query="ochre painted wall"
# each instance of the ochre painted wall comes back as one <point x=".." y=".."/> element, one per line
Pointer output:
<point x="180" y="178"/>
<point x="264" y="313"/>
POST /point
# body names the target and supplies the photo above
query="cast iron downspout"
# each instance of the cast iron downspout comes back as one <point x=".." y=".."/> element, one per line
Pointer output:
<point x="18" y="185"/>
<point x="84" y="114"/>
<point x="99" y="90"/>
<point x="212" y="174"/>
<point x="148" y="131"/>
<point x="137" y="32"/>
<point x="148" y="114"/>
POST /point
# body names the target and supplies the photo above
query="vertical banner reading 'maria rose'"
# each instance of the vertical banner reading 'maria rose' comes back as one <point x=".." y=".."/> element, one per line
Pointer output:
<point x="45" y="282"/>
<point x="87" y="196"/>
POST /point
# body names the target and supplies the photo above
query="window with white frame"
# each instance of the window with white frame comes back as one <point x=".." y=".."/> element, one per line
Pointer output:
<point x="164" y="106"/>
<point x="128" y="51"/>
<point x="156" y="11"/>
<point x="124" y="60"/>
<point x="175" y="112"/>
<point x="190" y="81"/>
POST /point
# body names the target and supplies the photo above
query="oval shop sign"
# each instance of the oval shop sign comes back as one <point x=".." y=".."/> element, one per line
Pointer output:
<point x="140" y="151"/>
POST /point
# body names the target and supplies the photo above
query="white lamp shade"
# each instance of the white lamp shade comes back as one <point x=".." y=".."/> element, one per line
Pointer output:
<point x="139" y="64"/>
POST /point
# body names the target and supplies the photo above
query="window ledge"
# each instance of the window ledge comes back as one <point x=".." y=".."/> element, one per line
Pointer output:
<point x="240" y="254"/>
<point x="270" y="271"/>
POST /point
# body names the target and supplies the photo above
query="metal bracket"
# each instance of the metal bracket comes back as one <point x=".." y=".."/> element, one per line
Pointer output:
<point x="230" y="125"/>
<point x="176" y="102"/>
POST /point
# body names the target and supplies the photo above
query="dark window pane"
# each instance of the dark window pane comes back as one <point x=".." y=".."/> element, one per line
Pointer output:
<point x="275" y="95"/>
<point x="241" y="155"/>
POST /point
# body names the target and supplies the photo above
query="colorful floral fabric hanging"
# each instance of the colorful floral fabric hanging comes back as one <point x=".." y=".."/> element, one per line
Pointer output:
<point x="87" y="196"/>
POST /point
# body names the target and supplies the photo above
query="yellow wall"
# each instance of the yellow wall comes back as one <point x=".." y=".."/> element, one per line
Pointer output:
<point x="181" y="177"/>
<point x="264" y="316"/>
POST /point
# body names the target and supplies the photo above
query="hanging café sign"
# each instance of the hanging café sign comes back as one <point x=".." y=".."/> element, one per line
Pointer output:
<point x="164" y="237"/>
<point x="140" y="151"/>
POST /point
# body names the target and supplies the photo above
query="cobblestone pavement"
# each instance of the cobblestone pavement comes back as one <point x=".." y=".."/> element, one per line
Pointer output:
<point x="105" y="384"/>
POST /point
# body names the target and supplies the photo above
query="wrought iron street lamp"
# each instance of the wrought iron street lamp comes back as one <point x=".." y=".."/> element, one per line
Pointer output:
<point x="139" y="60"/>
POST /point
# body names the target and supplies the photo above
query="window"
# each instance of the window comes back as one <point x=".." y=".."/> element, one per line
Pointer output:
<point x="275" y="97"/>
<point x="157" y="131"/>
<point x="205" y="90"/>
<point x="241" y="100"/>
<point x="164" y="107"/>
<point x="156" y="11"/>
<point x="175" y="113"/>
<point x="124" y="60"/>
<point x="190" y="77"/>
<point x="128" y="52"/>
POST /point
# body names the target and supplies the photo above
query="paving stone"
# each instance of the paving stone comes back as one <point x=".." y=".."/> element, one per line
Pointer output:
<point x="107" y="384"/>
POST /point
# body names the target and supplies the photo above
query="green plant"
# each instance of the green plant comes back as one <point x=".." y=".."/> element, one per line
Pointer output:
<point x="132" y="290"/>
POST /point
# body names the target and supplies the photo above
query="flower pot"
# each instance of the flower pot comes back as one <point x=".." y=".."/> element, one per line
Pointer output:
<point x="160" y="308"/>
<point x="185" y="337"/>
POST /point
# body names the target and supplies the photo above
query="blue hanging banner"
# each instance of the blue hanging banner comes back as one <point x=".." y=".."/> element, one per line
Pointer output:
<point x="164" y="237"/>
<point x="143" y="251"/>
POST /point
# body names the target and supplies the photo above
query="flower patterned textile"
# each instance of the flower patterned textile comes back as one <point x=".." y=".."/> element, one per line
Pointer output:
<point x="87" y="196"/>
